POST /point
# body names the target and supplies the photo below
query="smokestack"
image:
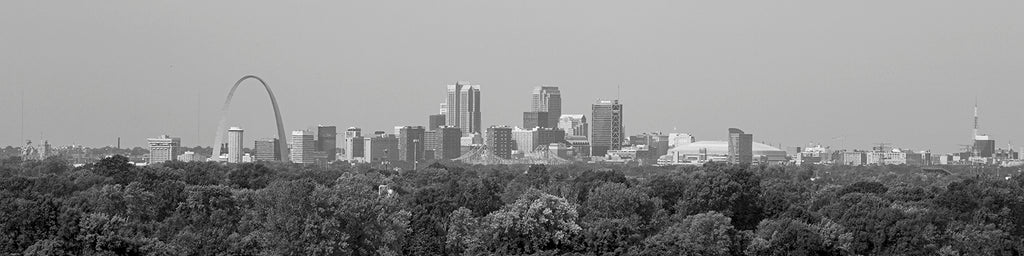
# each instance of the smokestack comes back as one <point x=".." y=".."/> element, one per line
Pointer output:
<point x="118" y="142"/>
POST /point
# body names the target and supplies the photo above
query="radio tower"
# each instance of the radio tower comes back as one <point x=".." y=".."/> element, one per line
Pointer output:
<point x="975" y="119"/>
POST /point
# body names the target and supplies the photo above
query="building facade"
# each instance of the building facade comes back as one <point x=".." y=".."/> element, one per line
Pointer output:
<point x="435" y="122"/>
<point x="353" y="144"/>
<point x="327" y="141"/>
<point x="303" y="150"/>
<point x="411" y="143"/>
<point x="163" y="149"/>
<point x="445" y="143"/>
<point x="740" y="147"/>
<point x="380" y="147"/>
<point x="606" y="127"/>
<point x="547" y="99"/>
<point x="499" y="141"/>
<point x="267" y="149"/>
<point x="235" y="141"/>
<point x="535" y="119"/>
<point x="574" y="125"/>
<point x="463" y="105"/>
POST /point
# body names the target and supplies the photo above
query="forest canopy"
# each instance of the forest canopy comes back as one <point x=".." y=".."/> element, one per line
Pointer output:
<point x="112" y="207"/>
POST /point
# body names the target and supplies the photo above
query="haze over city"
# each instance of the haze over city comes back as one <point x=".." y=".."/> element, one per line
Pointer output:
<point x="792" y="73"/>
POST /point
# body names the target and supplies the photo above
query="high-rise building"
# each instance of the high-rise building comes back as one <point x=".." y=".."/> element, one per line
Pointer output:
<point x="606" y="127"/>
<point x="741" y="147"/>
<point x="574" y="125"/>
<point x="499" y="141"/>
<point x="327" y="142"/>
<point x="411" y="143"/>
<point x="984" y="146"/>
<point x="163" y="149"/>
<point x="268" y="149"/>
<point x="525" y="139"/>
<point x="679" y="139"/>
<point x="381" y="147"/>
<point x="536" y="119"/>
<point x="547" y="99"/>
<point x="463" y="104"/>
<point x="435" y="122"/>
<point x="235" y="140"/>
<point x="302" y="148"/>
<point x="449" y="143"/>
<point x="354" y="144"/>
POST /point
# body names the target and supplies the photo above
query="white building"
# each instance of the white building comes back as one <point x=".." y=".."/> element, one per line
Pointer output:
<point x="302" y="148"/>
<point x="163" y="148"/>
<point x="235" y="140"/>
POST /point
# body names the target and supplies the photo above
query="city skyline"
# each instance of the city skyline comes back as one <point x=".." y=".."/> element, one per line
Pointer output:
<point x="905" y="77"/>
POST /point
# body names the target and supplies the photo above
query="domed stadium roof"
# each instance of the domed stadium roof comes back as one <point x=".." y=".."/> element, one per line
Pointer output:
<point x="721" y="148"/>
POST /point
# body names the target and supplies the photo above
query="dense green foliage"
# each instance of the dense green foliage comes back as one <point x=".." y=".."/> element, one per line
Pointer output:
<point x="115" y="208"/>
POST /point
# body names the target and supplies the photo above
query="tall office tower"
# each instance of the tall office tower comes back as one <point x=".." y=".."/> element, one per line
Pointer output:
<point x="741" y="147"/>
<point x="267" y="149"/>
<point x="163" y="149"/>
<point x="536" y="119"/>
<point x="606" y="127"/>
<point x="381" y="147"/>
<point x="547" y="99"/>
<point x="574" y="125"/>
<point x="449" y="143"/>
<point x="435" y="122"/>
<point x="353" y="144"/>
<point x="463" y="104"/>
<point x="235" y="140"/>
<point x="302" y="148"/>
<point x="327" y="141"/>
<point x="410" y="143"/>
<point x="499" y="141"/>
<point x="444" y="108"/>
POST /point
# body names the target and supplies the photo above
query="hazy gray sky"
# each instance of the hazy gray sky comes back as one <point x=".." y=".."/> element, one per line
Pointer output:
<point x="790" y="72"/>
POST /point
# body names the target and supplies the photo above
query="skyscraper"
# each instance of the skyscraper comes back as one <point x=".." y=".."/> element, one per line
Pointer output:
<point x="235" y="141"/>
<point x="606" y="127"/>
<point x="353" y="144"/>
<point x="410" y="143"/>
<point x="449" y="143"/>
<point x="267" y="149"/>
<point x="741" y="147"/>
<point x="302" y="148"/>
<point x="381" y="147"/>
<point x="536" y="119"/>
<point x="574" y="125"/>
<point x="547" y="99"/>
<point x="435" y="121"/>
<point x="163" y="149"/>
<point x="499" y="141"/>
<point x="327" y="142"/>
<point x="463" y="104"/>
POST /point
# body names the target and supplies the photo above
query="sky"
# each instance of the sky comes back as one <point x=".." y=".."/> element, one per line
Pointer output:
<point x="848" y="74"/>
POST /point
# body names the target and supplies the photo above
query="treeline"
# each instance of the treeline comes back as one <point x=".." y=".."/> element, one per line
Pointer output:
<point x="115" y="208"/>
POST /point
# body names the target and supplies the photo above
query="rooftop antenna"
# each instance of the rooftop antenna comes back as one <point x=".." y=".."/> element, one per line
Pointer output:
<point x="199" y="107"/>
<point x="22" y="113"/>
<point x="618" y="92"/>
<point x="975" y="118"/>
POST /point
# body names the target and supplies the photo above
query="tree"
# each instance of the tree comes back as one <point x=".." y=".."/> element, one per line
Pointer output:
<point x="708" y="233"/>
<point x="793" y="237"/>
<point x="536" y="222"/>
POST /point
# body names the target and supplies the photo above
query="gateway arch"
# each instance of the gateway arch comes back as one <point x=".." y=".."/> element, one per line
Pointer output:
<point x="222" y="127"/>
